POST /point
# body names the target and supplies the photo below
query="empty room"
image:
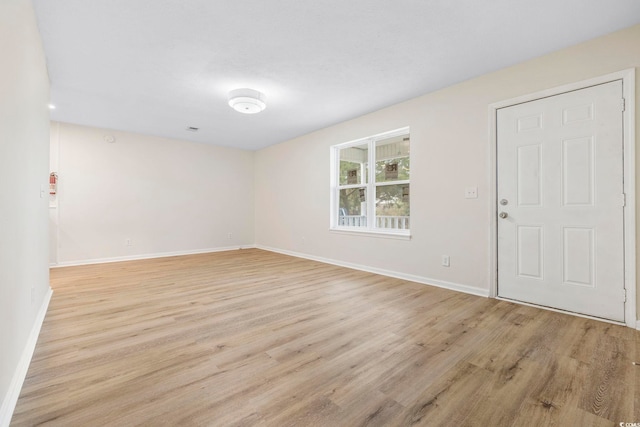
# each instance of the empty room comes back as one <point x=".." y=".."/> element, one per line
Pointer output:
<point x="296" y="213"/>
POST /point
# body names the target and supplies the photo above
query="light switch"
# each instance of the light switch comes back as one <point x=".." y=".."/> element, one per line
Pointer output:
<point x="471" y="193"/>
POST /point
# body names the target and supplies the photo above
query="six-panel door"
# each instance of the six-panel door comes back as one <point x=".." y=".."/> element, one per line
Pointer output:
<point x="560" y="193"/>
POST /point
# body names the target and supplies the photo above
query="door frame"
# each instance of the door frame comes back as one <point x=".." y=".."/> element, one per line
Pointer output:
<point x="629" y="116"/>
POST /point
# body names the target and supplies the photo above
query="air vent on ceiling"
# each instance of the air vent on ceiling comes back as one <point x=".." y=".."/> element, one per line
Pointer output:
<point x="192" y="129"/>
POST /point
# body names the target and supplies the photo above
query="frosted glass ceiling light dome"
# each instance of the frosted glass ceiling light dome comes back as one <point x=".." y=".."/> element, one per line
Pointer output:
<point x="247" y="101"/>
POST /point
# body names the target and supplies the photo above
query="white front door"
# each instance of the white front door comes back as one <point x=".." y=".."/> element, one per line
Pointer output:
<point x="560" y="202"/>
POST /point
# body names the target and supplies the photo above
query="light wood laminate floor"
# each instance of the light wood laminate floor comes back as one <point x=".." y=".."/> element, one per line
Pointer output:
<point x="251" y="337"/>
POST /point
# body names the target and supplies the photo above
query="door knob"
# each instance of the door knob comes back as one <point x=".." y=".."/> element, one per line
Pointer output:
<point x="503" y="215"/>
<point x="504" y="202"/>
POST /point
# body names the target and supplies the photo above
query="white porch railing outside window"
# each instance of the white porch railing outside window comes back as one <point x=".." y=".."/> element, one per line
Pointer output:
<point x="388" y="222"/>
<point x="393" y="222"/>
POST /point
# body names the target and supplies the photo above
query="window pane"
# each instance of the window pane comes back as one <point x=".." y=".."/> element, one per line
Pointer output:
<point x="392" y="206"/>
<point x="352" y="211"/>
<point x="392" y="159"/>
<point x="353" y="165"/>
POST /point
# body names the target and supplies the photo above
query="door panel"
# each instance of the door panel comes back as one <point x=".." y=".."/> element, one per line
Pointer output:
<point x="577" y="172"/>
<point x="529" y="175"/>
<point x="578" y="262"/>
<point x="529" y="251"/>
<point x="560" y="172"/>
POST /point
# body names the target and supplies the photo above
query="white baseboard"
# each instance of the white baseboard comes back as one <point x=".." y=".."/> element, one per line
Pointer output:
<point x="11" y="398"/>
<point x="410" y="277"/>
<point x="147" y="256"/>
<point x="638" y="325"/>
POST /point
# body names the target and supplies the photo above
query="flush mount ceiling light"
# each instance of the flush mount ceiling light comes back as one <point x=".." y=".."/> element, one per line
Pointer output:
<point x="247" y="101"/>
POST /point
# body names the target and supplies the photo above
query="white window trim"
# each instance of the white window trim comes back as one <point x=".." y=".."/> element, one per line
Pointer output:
<point x="379" y="232"/>
<point x="370" y="230"/>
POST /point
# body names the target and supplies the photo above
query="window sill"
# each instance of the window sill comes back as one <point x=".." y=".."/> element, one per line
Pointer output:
<point x="399" y="235"/>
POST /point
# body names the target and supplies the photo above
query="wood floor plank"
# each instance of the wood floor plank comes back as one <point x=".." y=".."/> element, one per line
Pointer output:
<point x="255" y="338"/>
<point x="611" y="380"/>
<point x="440" y="403"/>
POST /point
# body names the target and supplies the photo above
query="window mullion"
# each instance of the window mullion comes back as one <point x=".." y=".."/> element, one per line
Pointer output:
<point x="399" y="182"/>
<point x="347" y="187"/>
<point x="371" y="187"/>
<point x="336" y="193"/>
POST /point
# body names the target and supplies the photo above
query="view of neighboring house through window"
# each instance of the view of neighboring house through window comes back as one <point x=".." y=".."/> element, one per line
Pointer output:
<point x="372" y="198"/>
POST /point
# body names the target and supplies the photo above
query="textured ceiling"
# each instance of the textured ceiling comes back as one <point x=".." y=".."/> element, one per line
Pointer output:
<point x="160" y="66"/>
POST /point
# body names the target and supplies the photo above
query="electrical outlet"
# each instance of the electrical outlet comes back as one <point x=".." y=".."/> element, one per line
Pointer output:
<point x="229" y="236"/>
<point x="445" y="260"/>
<point x="128" y="242"/>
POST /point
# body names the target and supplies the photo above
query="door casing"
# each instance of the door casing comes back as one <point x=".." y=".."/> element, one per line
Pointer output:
<point x="629" y="116"/>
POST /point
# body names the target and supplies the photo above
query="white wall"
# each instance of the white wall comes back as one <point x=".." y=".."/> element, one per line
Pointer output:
<point x="167" y="196"/>
<point x="24" y="157"/>
<point x="449" y="151"/>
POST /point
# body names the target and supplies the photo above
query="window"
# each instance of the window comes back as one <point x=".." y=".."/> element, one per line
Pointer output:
<point x="372" y="199"/>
